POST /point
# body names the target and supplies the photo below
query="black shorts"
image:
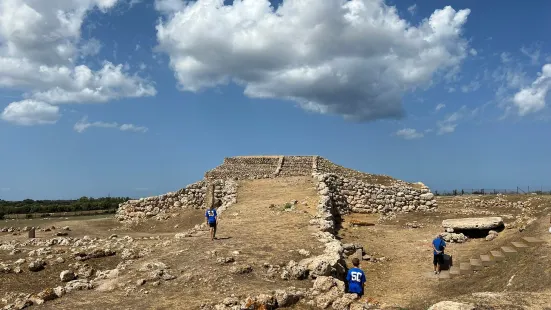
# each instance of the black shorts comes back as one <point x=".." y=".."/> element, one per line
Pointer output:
<point x="213" y="225"/>
<point x="438" y="259"/>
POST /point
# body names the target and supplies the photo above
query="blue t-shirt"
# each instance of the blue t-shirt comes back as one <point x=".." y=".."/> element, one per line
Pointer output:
<point x="355" y="278"/>
<point x="211" y="215"/>
<point x="439" y="244"/>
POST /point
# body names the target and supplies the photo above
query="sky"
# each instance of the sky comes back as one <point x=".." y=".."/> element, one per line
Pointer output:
<point x="141" y="97"/>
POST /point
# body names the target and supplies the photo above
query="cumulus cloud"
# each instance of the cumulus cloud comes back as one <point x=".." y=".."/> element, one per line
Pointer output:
<point x="83" y="125"/>
<point x="40" y="47"/>
<point x="409" y="134"/>
<point x="532" y="98"/>
<point x="352" y="58"/>
<point x="31" y="112"/>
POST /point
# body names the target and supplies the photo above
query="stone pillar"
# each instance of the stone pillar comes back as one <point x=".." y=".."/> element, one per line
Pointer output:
<point x="209" y="195"/>
<point x="32" y="233"/>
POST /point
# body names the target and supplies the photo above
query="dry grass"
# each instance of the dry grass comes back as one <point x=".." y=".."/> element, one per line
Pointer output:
<point x="261" y="234"/>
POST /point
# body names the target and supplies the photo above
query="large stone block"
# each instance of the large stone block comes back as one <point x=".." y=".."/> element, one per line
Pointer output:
<point x="482" y="223"/>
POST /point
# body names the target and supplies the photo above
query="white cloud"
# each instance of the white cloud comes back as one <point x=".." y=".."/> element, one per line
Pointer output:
<point x="473" y="52"/>
<point x="446" y="128"/>
<point x="352" y="58"/>
<point x="532" y="98"/>
<point x="471" y="87"/>
<point x="505" y="57"/>
<point x="409" y="134"/>
<point x="533" y="53"/>
<point x="30" y="112"/>
<point x="131" y="127"/>
<point x="169" y="6"/>
<point x="449" y="124"/>
<point x="439" y="107"/>
<point x="40" y="46"/>
<point x="83" y="124"/>
<point x="91" y="47"/>
<point x="412" y="9"/>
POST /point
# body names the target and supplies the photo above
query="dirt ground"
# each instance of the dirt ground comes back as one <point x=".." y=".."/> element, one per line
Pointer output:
<point x="257" y="226"/>
<point x="401" y="279"/>
<point x="263" y="231"/>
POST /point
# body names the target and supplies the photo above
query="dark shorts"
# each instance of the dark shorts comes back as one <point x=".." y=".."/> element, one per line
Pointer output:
<point x="213" y="224"/>
<point x="438" y="259"/>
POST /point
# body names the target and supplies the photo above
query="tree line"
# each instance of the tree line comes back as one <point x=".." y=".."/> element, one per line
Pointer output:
<point x="29" y="206"/>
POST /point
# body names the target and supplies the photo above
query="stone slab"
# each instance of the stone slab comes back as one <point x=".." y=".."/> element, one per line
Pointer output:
<point x="465" y="268"/>
<point x="508" y="251"/>
<point x="476" y="264"/>
<point x="532" y="240"/>
<point x="482" y="223"/>
<point x="497" y="255"/>
<point x="486" y="260"/>
<point x="520" y="245"/>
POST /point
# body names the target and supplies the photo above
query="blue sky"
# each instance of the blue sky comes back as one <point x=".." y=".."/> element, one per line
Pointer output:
<point x="461" y="104"/>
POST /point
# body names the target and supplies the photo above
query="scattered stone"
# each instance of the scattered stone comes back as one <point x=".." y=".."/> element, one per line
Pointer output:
<point x="37" y="265"/>
<point x="225" y="260"/>
<point x="492" y="234"/>
<point x="67" y="275"/>
<point x="304" y="252"/>
<point x="242" y="269"/>
<point x="453" y="237"/>
<point x="140" y="282"/>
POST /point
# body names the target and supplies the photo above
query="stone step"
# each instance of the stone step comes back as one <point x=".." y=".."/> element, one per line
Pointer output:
<point x="508" y="251"/>
<point x="519" y="245"/>
<point x="455" y="272"/>
<point x="486" y="260"/>
<point x="465" y="268"/>
<point x="476" y="264"/>
<point x="532" y="240"/>
<point x="444" y="275"/>
<point x="497" y="255"/>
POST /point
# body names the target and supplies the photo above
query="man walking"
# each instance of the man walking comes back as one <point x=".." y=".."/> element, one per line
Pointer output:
<point x="356" y="279"/>
<point x="212" y="219"/>
<point x="438" y="246"/>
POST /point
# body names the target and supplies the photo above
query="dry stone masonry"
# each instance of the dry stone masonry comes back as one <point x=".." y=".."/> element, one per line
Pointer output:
<point x="191" y="197"/>
<point x="349" y="190"/>
<point x="350" y="195"/>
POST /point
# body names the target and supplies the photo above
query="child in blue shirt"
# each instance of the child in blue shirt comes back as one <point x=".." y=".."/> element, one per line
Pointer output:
<point x="438" y="246"/>
<point x="212" y="219"/>
<point x="356" y="278"/>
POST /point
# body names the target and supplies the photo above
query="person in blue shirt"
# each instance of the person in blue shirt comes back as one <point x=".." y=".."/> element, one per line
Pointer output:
<point x="356" y="278"/>
<point x="438" y="246"/>
<point x="212" y="219"/>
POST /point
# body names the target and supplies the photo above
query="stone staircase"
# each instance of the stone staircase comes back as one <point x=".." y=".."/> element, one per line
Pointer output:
<point x="491" y="258"/>
<point x="296" y="166"/>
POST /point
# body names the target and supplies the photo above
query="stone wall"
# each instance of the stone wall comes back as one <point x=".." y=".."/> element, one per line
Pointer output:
<point x="192" y="196"/>
<point x="325" y="166"/>
<point x="349" y="195"/>
<point x="254" y="167"/>
<point x="296" y="166"/>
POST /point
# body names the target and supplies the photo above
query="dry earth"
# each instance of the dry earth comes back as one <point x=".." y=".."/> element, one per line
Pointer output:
<point x="263" y="232"/>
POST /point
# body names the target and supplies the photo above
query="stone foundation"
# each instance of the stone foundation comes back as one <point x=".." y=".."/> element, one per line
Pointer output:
<point x="348" y="190"/>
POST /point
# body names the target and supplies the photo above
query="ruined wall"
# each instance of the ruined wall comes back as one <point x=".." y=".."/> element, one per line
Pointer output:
<point x="192" y="196"/>
<point x="349" y="195"/>
<point x="254" y="167"/>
